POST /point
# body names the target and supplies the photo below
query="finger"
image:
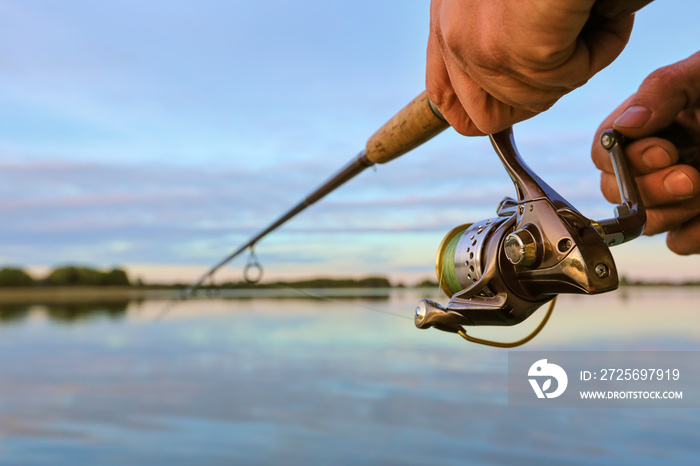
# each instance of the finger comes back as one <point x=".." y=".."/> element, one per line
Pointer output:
<point x="660" y="98"/>
<point x="439" y="87"/>
<point x="441" y="93"/>
<point x="487" y="114"/>
<point x="469" y="109"/>
<point x="475" y="111"/>
<point x="667" y="218"/>
<point x="666" y="186"/>
<point x="645" y="155"/>
<point x="685" y="239"/>
<point x="572" y="66"/>
<point x="669" y="94"/>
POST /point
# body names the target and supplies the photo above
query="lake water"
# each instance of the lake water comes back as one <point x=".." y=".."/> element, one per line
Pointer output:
<point x="294" y="381"/>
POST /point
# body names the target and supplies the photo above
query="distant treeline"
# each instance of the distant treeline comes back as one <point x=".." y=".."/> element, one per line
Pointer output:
<point x="369" y="282"/>
<point x="628" y="282"/>
<point x="69" y="275"/>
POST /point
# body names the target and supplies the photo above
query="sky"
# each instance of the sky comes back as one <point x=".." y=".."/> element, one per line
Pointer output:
<point x="161" y="135"/>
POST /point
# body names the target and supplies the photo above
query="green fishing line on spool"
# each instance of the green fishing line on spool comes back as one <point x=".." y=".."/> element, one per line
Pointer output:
<point x="445" y="261"/>
<point x="448" y="274"/>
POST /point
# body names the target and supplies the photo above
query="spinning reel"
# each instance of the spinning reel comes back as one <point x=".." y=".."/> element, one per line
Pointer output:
<point x="500" y="270"/>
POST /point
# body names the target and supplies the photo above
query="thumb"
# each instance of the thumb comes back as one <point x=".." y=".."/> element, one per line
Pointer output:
<point x="662" y="96"/>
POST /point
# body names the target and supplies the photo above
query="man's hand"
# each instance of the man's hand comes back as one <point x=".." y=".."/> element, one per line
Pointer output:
<point x="492" y="63"/>
<point x="670" y="191"/>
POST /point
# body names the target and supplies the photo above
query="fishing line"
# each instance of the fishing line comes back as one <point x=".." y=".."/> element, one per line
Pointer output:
<point x="323" y="297"/>
<point x="184" y="295"/>
<point x="216" y="293"/>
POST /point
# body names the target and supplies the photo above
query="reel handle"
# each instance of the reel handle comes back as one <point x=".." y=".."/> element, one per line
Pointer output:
<point x="630" y="215"/>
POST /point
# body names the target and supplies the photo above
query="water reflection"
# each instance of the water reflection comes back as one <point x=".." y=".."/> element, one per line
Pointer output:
<point x="273" y="380"/>
<point x="79" y="309"/>
<point x="64" y="313"/>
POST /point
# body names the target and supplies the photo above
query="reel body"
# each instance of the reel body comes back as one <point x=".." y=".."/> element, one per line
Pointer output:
<point x="500" y="270"/>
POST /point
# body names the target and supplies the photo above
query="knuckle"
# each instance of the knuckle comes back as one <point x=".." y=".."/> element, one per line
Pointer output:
<point x="489" y="124"/>
<point x="546" y="56"/>
<point x="473" y="49"/>
<point x="664" y="77"/>
<point x="454" y="39"/>
<point x="674" y="82"/>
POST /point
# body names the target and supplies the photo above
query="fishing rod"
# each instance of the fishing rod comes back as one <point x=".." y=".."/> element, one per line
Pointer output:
<point x="499" y="271"/>
<point x="413" y="125"/>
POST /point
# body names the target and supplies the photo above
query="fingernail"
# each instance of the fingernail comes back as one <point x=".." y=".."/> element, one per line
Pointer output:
<point x="633" y="117"/>
<point x="678" y="184"/>
<point x="656" y="157"/>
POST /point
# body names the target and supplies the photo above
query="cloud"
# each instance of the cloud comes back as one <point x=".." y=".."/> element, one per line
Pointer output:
<point x="119" y="211"/>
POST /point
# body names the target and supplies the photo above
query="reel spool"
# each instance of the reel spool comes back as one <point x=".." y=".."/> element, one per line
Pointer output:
<point x="460" y="258"/>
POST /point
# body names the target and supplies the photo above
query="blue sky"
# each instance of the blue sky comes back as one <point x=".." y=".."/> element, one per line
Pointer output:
<point x="160" y="135"/>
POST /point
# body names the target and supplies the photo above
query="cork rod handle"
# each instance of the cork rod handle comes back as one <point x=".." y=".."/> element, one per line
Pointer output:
<point x="413" y="125"/>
